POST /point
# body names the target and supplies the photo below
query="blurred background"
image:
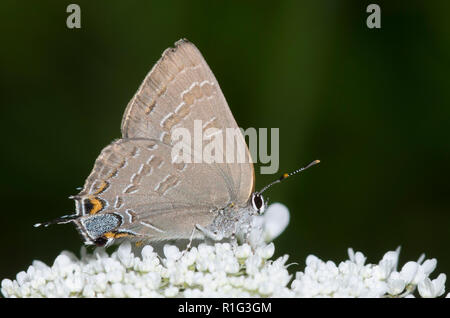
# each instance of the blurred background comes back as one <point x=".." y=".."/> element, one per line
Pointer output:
<point x="372" y="104"/>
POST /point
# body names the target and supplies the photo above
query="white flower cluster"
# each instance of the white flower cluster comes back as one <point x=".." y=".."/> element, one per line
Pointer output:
<point x="222" y="270"/>
<point x="213" y="271"/>
<point x="354" y="278"/>
<point x="219" y="270"/>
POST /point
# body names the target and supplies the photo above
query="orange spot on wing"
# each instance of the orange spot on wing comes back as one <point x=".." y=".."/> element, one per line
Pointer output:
<point x="109" y="235"/>
<point x="115" y="235"/>
<point x="119" y="235"/>
<point x="97" y="205"/>
<point x="102" y="187"/>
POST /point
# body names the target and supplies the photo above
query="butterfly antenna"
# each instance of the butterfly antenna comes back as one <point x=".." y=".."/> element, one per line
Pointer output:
<point x="287" y="175"/>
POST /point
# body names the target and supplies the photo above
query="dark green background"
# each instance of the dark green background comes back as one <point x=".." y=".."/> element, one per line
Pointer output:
<point x="372" y="104"/>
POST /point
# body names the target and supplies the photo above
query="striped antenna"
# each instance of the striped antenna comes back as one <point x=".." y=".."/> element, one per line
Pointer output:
<point x="287" y="175"/>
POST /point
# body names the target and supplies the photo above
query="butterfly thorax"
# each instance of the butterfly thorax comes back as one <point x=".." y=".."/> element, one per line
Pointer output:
<point x="232" y="221"/>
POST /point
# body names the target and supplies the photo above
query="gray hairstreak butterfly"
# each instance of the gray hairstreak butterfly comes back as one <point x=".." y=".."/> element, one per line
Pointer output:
<point x="137" y="190"/>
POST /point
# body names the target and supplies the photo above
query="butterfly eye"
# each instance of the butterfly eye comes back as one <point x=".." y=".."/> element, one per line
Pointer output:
<point x="258" y="203"/>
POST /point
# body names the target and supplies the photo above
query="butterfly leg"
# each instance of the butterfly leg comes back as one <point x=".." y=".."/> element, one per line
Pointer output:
<point x="209" y="234"/>
<point x="188" y="247"/>
<point x="233" y="241"/>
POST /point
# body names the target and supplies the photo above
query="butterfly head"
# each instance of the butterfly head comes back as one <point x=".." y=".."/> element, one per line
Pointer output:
<point x="257" y="202"/>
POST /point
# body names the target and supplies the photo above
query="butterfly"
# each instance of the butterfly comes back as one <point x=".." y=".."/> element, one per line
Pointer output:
<point x="137" y="190"/>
